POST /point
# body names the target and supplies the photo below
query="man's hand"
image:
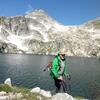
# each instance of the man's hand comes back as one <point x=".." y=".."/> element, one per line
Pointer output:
<point x="60" y="78"/>
<point x="68" y="77"/>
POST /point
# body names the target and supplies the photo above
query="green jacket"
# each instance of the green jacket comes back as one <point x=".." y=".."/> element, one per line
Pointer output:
<point x="56" y="66"/>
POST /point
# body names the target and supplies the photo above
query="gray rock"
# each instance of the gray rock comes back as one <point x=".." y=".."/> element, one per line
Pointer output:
<point x="4" y="97"/>
<point x="42" y="92"/>
<point x="36" y="90"/>
<point x="19" y="95"/>
<point x="45" y="93"/>
<point x="8" y="82"/>
<point x="12" y="96"/>
<point x="2" y="93"/>
<point x="62" y="96"/>
<point x="39" y="97"/>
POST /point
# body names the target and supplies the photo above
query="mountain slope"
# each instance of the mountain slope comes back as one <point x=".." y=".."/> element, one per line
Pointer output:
<point x="37" y="33"/>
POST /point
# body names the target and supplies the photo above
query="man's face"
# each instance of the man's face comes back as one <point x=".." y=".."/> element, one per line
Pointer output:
<point x="62" y="56"/>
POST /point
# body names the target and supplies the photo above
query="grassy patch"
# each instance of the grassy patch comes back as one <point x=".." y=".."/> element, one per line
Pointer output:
<point x="6" y="88"/>
<point x="27" y="95"/>
<point x="79" y="98"/>
<point x="20" y="89"/>
<point x="34" y="96"/>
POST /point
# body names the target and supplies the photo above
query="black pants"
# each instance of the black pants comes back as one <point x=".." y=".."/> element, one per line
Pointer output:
<point x="60" y="86"/>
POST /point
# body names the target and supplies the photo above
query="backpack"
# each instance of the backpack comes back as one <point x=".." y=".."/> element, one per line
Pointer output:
<point x="49" y="66"/>
<point x="50" y="63"/>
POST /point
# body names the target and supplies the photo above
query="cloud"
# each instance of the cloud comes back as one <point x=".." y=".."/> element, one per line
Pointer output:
<point x="30" y="8"/>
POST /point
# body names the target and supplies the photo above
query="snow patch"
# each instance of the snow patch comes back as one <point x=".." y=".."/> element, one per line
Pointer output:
<point x="33" y="28"/>
<point x="18" y="42"/>
<point x="45" y="38"/>
<point x="61" y="28"/>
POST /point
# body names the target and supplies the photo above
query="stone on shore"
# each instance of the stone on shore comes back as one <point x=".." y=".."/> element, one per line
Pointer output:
<point x="62" y="96"/>
<point x="42" y="92"/>
<point x="35" y="90"/>
<point x="45" y="93"/>
<point x="8" y="82"/>
<point x="2" y="93"/>
<point x="10" y="96"/>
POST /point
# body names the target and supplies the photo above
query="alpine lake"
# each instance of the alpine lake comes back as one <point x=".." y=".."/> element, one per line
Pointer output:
<point x="27" y="70"/>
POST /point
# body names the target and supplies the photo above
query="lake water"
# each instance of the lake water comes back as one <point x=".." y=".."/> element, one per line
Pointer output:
<point x="27" y="70"/>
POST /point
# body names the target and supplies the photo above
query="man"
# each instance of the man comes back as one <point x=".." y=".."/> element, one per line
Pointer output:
<point x="58" y="70"/>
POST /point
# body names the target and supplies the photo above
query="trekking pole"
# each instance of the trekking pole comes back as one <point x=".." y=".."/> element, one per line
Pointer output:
<point x="64" y="85"/>
<point x="45" y="68"/>
<point x="68" y="83"/>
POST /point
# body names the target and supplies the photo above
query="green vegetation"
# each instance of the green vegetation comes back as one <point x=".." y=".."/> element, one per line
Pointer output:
<point x="26" y="94"/>
<point x="79" y="98"/>
<point x="20" y="89"/>
<point x="34" y="96"/>
<point x="6" y="88"/>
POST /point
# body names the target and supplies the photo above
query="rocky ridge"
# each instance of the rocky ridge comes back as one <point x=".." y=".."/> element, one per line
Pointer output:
<point x="37" y="33"/>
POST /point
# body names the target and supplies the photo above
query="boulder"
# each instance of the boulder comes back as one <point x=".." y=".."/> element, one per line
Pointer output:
<point x="39" y="97"/>
<point x="19" y="96"/>
<point x="2" y="93"/>
<point x="42" y="92"/>
<point x="45" y="93"/>
<point x="62" y="96"/>
<point x="8" y="82"/>
<point x="35" y="90"/>
<point x="4" y="97"/>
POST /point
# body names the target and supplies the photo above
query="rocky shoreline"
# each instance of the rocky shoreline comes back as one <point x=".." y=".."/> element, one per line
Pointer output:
<point x="20" y="96"/>
<point x="9" y="92"/>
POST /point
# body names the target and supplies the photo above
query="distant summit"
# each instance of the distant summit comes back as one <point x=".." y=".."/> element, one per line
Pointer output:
<point x="38" y="33"/>
<point x="94" y="23"/>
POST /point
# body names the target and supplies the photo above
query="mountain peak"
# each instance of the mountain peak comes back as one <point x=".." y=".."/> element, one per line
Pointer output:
<point x="36" y="12"/>
<point x="38" y="33"/>
<point x="93" y="23"/>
